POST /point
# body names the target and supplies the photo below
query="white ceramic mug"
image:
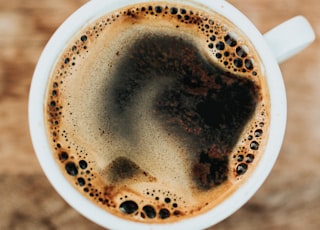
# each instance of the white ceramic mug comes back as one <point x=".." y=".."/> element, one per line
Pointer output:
<point x="274" y="47"/>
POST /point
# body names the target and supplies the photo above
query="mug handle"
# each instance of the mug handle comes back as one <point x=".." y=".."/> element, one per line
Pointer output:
<point x="289" y="38"/>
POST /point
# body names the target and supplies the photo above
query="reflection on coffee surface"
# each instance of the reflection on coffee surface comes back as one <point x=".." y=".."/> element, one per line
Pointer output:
<point x="158" y="112"/>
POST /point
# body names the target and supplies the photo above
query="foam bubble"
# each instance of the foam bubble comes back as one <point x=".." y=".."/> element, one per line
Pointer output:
<point x="63" y="156"/>
<point x="149" y="211"/>
<point x="164" y="213"/>
<point x="129" y="207"/>
<point x="254" y="145"/>
<point x="258" y="133"/>
<point x="242" y="168"/>
<point x="249" y="158"/>
<point x="81" y="181"/>
<point x="71" y="169"/>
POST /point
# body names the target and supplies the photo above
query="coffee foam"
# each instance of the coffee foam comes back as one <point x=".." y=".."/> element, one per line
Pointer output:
<point x="99" y="149"/>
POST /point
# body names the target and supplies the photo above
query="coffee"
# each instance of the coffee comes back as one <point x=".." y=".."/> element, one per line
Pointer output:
<point x="158" y="112"/>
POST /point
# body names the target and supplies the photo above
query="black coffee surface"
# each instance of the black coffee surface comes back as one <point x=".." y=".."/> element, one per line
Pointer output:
<point x="200" y="102"/>
<point x="157" y="112"/>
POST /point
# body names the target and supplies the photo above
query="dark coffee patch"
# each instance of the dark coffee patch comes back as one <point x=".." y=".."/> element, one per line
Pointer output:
<point x="201" y="102"/>
<point x="211" y="170"/>
<point x="122" y="169"/>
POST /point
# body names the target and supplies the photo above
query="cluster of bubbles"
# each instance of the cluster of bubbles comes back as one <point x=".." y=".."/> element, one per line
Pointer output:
<point x="247" y="152"/>
<point x="164" y="206"/>
<point x="79" y="169"/>
<point x="222" y="45"/>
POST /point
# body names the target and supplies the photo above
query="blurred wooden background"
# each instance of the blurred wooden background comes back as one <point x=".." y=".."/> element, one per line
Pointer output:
<point x="289" y="199"/>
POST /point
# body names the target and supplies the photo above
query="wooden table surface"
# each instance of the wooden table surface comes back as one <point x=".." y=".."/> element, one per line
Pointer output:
<point x="289" y="199"/>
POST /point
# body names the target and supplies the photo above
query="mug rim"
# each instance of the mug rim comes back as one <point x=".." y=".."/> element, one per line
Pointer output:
<point x="90" y="12"/>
